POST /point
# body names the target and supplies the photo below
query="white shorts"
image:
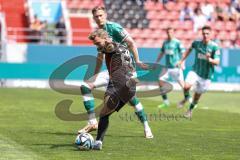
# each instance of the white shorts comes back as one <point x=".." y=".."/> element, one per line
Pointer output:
<point x="175" y="73"/>
<point x="102" y="79"/>
<point x="201" y="85"/>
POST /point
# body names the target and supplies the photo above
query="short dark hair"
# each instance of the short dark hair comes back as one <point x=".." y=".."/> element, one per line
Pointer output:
<point x="238" y="28"/>
<point x="95" y="9"/>
<point x="206" y="28"/>
<point x="169" y="28"/>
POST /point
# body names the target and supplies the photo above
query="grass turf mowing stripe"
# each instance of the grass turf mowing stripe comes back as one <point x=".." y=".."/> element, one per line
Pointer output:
<point x="12" y="150"/>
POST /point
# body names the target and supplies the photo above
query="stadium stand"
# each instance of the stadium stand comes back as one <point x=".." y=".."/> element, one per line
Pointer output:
<point x="15" y="19"/>
<point x="77" y="5"/>
<point x="130" y="13"/>
<point x="145" y="20"/>
<point x="81" y="29"/>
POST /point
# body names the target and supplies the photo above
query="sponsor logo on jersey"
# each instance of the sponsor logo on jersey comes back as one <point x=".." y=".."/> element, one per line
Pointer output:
<point x="202" y="56"/>
<point x="169" y="51"/>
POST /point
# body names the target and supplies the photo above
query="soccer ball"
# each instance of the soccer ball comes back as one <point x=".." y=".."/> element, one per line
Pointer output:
<point x="84" y="141"/>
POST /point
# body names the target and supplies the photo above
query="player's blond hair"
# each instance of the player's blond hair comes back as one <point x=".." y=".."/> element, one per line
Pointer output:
<point x="98" y="33"/>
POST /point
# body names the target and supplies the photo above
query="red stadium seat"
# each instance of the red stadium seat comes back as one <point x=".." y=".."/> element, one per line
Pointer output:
<point x="145" y="33"/>
<point x="15" y="18"/>
<point x="172" y="16"/>
<point x="157" y="34"/>
<point x="226" y="44"/>
<point x="212" y="1"/>
<point x="148" y="43"/>
<point x="216" y="26"/>
<point x="154" y="24"/>
<point x="179" y="34"/>
<point x="192" y="4"/>
<point x="149" y="5"/>
<point x="230" y="26"/>
<point x="171" y="6"/>
<point x="135" y="33"/>
<point x="223" y="35"/>
<point x="186" y="25"/>
<point x="158" y="43"/>
<point x="164" y="24"/>
<point x="233" y="35"/>
<point x="175" y="24"/>
<point x="219" y="25"/>
<point x="152" y="6"/>
<point x="163" y="34"/>
<point x="139" y="42"/>
<point x="151" y="15"/>
<point x="189" y="35"/>
<point x="162" y="15"/>
<point x="179" y="6"/>
<point x="158" y="6"/>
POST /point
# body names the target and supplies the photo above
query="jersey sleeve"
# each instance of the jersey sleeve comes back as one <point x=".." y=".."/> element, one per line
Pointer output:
<point x="181" y="47"/>
<point x="163" y="47"/>
<point x="120" y="32"/>
<point x="193" y="46"/>
<point x="216" y="52"/>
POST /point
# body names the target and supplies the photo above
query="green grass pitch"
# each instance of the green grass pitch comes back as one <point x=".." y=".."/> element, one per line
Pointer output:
<point x="30" y="130"/>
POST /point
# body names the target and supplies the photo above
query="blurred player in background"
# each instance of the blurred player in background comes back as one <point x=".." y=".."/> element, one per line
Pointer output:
<point x="207" y="55"/>
<point x="172" y="48"/>
<point x="119" y="35"/>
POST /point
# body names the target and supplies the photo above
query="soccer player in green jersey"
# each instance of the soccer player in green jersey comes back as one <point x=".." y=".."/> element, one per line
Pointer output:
<point x="172" y="48"/>
<point x="207" y="55"/>
<point x="119" y="35"/>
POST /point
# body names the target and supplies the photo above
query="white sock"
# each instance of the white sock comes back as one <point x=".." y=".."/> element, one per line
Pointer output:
<point x="98" y="141"/>
<point x="146" y="126"/>
<point x="92" y="119"/>
<point x="166" y="102"/>
<point x="190" y="100"/>
<point x="138" y="107"/>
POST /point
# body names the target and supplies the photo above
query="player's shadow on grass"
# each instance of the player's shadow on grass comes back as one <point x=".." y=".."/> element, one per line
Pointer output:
<point x="128" y="136"/>
<point x="57" y="133"/>
<point x="55" y="146"/>
<point x="71" y="147"/>
<point x="94" y="134"/>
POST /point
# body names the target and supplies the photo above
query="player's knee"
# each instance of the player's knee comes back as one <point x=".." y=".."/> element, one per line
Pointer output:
<point x="85" y="89"/>
<point x="133" y="101"/>
<point x="110" y="105"/>
<point x="200" y="91"/>
<point x="187" y="86"/>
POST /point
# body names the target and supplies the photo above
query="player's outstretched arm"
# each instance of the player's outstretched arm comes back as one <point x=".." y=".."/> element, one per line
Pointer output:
<point x="99" y="62"/>
<point x="160" y="55"/>
<point x="211" y="60"/>
<point x="133" y="48"/>
<point x="180" y="64"/>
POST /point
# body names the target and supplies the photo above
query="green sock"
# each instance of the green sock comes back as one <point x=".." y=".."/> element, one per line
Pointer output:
<point x="186" y="94"/>
<point x="164" y="97"/>
<point x="89" y="106"/>
<point x="88" y="99"/>
<point x="139" y="111"/>
<point x="134" y="101"/>
<point x="192" y="105"/>
<point x="141" y="115"/>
